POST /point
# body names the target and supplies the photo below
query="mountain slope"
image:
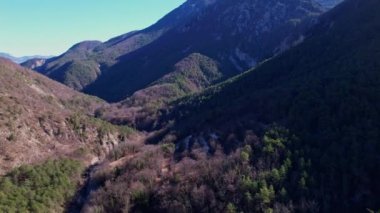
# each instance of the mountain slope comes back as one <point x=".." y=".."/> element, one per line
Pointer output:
<point x="300" y="133"/>
<point x="41" y="119"/>
<point x="326" y="92"/>
<point x="237" y="34"/>
<point x="139" y="58"/>
<point x="190" y="75"/>
<point x="85" y="61"/>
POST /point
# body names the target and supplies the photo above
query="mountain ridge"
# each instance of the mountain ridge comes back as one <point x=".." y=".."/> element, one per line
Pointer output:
<point x="135" y="68"/>
<point x="91" y="64"/>
<point x="113" y="57"/>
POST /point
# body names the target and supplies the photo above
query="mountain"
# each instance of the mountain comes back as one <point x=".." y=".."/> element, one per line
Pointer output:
<point x="267" y="27"/>
<point x="43" y="119"/>
<point x="23" y="59"/>
<point x="117" y="68"/>
<point x="75" y="68"/>
<point x="299" y="133"/>
<point x="82" y="64"/>
<point x="191" y="75"/>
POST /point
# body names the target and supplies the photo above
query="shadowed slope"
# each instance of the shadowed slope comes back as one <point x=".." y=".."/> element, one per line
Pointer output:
<point x="326" y="92"/>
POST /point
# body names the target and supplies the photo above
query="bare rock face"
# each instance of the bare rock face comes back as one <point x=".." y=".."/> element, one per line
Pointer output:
<point x="34" y="63"/>
<point x="328" y="4"/>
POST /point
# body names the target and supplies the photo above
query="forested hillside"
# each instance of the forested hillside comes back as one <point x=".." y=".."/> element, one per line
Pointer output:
<point x="298" y="133"/>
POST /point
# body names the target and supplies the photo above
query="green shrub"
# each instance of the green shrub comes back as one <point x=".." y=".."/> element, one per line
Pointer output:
<point x="168" y="148"/>
<point x="81" y="123"/>
<point x="231" y="208"/>
<point x="42" y="188"/>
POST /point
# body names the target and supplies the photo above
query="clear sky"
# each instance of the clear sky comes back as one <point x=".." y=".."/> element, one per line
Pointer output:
<point x="49" y="27"/>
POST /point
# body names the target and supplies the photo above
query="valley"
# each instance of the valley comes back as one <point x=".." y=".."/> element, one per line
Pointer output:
<point x="221" y="106"/>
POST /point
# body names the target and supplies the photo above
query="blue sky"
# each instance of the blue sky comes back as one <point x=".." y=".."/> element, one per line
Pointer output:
<point x="49" y="27"/>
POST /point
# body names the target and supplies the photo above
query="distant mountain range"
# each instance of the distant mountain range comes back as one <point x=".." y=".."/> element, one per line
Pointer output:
<point x="22" y="59"/>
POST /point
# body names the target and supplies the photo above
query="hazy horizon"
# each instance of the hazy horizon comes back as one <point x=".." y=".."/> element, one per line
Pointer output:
<point x="44" y="27"/>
